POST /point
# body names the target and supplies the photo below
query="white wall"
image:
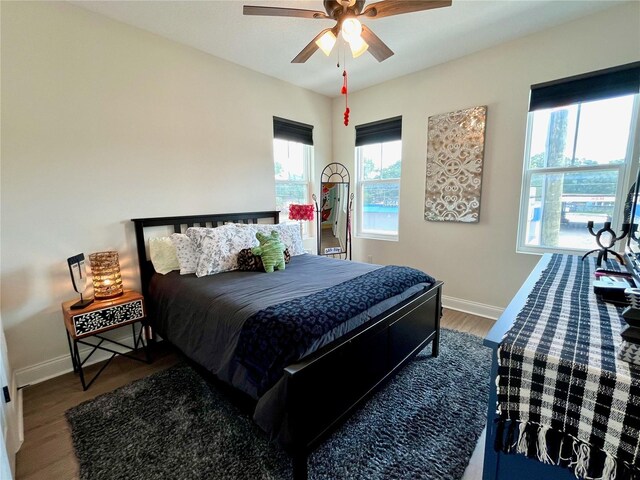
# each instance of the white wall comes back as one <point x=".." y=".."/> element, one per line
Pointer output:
<point x="478" y="262"/>
<point x="101" y="123"/>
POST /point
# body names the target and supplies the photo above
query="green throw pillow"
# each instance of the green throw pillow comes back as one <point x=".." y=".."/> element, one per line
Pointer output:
<point x="271" y="250"/>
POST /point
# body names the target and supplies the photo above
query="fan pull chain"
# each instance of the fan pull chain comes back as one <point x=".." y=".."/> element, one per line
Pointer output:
<point x="345" y="92"/>
<point x="341" y="54"/>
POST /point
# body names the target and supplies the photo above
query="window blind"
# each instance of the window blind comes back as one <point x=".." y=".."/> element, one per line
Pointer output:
<point x="386" y="130"/>
<point x="611" y="82"/>
<point x="293" y="131"/>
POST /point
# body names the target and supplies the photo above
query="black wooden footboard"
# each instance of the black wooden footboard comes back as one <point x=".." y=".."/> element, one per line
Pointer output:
<point x="326" y="386"/>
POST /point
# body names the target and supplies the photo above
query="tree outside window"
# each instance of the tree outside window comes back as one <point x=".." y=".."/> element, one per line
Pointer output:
<point x="574" y="172"/>
<point x="378" y="185"/>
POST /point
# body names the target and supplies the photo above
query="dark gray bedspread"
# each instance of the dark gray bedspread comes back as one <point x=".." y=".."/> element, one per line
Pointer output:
<point x="203" y="316"/>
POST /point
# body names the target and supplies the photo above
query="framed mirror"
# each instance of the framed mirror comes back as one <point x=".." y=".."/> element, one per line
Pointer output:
<point x="334" y="212"/>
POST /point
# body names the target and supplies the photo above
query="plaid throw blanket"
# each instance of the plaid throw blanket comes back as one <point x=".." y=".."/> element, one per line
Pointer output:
<point x="563" y="395"/>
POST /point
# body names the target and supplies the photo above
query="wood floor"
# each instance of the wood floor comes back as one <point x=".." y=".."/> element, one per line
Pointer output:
<point x="47" y="451"/>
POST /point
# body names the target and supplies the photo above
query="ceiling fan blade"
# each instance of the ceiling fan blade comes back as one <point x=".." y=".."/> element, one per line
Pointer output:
<point x="282" y="12"/>
<point x="377" y="47"/>
<point x="309" y="50"/>
<point x="387" y="8"/>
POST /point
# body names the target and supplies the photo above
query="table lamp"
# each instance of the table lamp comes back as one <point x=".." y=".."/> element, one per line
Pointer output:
<point x="105" y="268"/>
<point x="301" y="213"/>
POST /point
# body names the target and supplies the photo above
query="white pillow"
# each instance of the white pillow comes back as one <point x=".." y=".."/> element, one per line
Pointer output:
<point x="186" y="253"/>
<point x="219" y="248"/>
<point x="163" y="255"/>
<point x="289" y="234"/>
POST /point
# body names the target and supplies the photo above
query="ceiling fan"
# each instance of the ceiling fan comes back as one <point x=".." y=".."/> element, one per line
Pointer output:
<point x="345" y="13"/>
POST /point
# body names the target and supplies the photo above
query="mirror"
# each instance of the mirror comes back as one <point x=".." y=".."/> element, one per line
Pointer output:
<point x="333" y="212"/>
<point x="333" y="218"/>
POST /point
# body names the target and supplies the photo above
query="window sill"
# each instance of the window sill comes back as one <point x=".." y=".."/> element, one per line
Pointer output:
<point x="373" y="236"/>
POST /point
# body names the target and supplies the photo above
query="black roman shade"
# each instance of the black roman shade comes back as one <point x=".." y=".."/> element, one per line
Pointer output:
<point x="611" y="82"/>
<point x="377" y="132"/>
<point x="293" y="131"/>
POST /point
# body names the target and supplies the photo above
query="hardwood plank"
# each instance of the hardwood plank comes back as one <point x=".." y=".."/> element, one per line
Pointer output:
<point x="47" y="451"/>
<point x="466" y="322"/>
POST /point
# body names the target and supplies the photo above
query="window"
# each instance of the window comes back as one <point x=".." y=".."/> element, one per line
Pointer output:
<point x="292" y="157"/>
<point x="580" y="137"/>
<point x="291" y="162"/>
<point x="378" y="168"/>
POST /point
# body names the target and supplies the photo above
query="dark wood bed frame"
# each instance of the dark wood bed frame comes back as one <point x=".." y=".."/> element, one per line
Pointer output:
<point x="327" y="385"/>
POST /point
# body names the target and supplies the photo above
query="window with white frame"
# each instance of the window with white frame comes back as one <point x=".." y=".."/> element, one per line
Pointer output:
<point x="580" y="140"/>
<point x="378" y="173"/>
<point x="292" y="158"/>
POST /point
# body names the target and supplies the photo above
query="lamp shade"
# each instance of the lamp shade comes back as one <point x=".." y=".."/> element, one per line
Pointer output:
<point x="351" y="29"/>
<point x="358" y="46"/>
<point x="107" y="281"/>
<point x="300" y="212"/>
<point x="326" y="42"/>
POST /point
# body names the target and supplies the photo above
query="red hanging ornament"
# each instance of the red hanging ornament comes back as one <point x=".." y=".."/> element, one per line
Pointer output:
<point x="345" y="91"/>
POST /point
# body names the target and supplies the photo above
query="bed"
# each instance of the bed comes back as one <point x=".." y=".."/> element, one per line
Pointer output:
<point x="301" y="395"/>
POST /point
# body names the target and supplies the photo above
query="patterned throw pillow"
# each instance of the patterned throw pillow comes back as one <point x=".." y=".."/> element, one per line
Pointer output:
<point x="186" y="253"/>
<point x="248" y="262"/>
<point x="289" y="234"/>
<point x="197" y="234"/>
<point x="219" y="248"/>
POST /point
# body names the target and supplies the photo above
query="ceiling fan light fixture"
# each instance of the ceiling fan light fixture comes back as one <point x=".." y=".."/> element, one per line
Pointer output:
<point x="326" y="42"/>
<point x="344" y="13"/>
<point x="358" y="46"/>
<point x="351" y="29"/>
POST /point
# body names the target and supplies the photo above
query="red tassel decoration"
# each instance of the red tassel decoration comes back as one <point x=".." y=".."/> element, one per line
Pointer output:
<point x="345" y="92"/>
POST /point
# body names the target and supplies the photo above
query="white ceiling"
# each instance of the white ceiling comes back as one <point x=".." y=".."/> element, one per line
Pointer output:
<point x="268" y="44"/>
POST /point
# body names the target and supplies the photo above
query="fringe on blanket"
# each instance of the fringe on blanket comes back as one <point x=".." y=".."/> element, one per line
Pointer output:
<point x="549" y="446"/>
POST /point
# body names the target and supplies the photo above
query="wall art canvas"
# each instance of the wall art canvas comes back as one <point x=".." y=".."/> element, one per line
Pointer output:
<point x="455" y="155"/>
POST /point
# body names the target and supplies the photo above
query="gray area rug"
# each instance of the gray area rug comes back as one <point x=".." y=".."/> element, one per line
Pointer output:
<point x="423" y="424"/>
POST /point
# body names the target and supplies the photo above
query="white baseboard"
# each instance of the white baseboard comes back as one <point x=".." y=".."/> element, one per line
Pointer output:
<point x="60" y="365"/>
<point x="474" y="308"/>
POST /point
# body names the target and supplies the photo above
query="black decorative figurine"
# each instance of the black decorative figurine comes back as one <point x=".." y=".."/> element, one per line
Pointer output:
<point x="78" y="272"/>
<point x="603" y="251"/>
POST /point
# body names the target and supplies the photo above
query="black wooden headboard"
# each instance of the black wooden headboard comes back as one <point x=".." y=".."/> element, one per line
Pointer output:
<point x="180" y="224"/>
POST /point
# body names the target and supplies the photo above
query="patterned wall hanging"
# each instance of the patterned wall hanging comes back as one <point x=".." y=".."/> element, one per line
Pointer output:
<point x="455" y="153"/>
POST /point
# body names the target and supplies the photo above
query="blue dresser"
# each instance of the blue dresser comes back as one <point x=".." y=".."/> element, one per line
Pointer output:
<point x="561" y="405"/>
